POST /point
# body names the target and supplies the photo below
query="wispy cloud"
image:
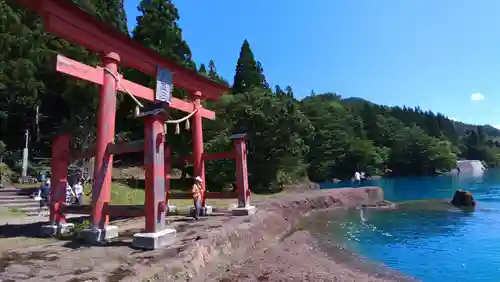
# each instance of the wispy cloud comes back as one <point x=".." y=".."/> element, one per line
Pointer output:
<point x="477" y="97"/>
<point x="452" y="118"/>
<point x="496" y="126"/>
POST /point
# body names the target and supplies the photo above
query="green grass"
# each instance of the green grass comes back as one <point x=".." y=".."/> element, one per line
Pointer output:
<point x="10" y="212"/>
<point x="27" y="185"/>
<point x="122" y="194"/>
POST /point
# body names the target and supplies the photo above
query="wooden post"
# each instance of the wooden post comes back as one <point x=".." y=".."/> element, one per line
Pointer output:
<point x="101" y="186"/>
<point x="154" y="159"/>
<point x="197" y="132"/>
<point x="59" y="177"/>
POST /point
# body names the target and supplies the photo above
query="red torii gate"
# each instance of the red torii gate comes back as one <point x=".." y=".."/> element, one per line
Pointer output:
<point x="69" y="22"/>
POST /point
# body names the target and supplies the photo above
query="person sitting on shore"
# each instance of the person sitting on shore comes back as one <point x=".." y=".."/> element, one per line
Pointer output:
<point x="197" y="191"/>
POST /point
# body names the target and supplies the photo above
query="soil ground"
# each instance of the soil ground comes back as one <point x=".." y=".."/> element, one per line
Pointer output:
<point x="263" y="247"/>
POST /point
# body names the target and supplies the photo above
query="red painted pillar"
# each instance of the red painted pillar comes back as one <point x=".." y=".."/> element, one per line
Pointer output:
<point x="243" y="190"/>
<point x="198" y="163"/>
<point x="154" y="159"/>
<point x="168" y="172"/>
<point x="59" y="177"/>
<point x="101" y="187"/>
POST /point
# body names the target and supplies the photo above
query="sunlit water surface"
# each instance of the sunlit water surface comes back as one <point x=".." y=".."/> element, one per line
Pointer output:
<point x="431" y="245"/>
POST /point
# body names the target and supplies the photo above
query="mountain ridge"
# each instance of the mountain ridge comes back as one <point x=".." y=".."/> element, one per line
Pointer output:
<point x="461" y="127"/>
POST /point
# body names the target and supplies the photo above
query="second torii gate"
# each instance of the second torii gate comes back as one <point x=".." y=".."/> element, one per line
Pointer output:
<point x="69" y="22"/>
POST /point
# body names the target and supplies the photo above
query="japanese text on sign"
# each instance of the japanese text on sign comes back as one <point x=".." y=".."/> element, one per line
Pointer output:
<point x="164" y="85"/>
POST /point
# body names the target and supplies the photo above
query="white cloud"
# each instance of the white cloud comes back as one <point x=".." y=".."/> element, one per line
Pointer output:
<point x="477" y="97"/>
<point x="496" y="126"/>
<point x="452" y="118"/>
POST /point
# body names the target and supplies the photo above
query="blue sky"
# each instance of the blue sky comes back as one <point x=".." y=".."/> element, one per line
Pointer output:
<point x="440" y="55"/>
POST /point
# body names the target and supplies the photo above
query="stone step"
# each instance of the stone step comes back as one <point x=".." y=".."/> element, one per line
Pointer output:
<point x="21" y="192"/>
<point x="28" y="208"/>
<point x="14" y="198"/>
<point x="71" y="215"/>
<point x="21" y="204"/>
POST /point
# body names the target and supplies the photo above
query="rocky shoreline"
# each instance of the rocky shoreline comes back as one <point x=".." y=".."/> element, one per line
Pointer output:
<point x="267" y="246"/>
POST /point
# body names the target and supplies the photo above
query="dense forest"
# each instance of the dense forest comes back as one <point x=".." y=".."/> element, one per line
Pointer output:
<point x="320" y="137"/>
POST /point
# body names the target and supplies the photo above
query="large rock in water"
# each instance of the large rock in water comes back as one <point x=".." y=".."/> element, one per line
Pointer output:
<point x="463" y="199"/>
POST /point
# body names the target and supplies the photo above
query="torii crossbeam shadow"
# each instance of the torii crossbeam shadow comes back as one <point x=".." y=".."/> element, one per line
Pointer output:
<point x="66" y="20"/>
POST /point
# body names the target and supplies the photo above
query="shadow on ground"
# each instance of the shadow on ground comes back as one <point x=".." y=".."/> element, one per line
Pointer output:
<point x="32" y="230"/>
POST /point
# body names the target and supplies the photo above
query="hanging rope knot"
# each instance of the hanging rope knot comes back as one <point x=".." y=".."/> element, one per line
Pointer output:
<point x="187" y="125"/>
<point x="117" y="77"/>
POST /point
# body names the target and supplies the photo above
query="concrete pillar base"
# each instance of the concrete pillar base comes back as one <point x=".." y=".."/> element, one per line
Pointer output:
<point x="93" y="236"/>
<point x="56" y="229"/>
<point x="152" y="241"/>
<point x="244" y="211"/>
<point x="207" y="210"/>
<point x="172" y="210"/>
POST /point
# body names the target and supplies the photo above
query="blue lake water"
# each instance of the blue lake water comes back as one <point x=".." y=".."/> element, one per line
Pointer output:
<point x="431" y="245"/>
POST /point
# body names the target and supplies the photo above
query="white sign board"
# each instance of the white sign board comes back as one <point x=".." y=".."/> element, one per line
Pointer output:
<point x="164" y="85"/>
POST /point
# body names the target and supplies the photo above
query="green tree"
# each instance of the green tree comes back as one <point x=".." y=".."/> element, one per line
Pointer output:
<point x="212" y="74"/>
<point x="202" y="69"/>
<point x="109" y="11"/>
<point x="157" y="28"/>
<point x="249" y="73"/>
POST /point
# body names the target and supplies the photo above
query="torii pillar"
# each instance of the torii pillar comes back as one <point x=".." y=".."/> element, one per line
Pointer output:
<point x="101" y="186"/>
<point x="198" y="162"/>
<point x="59" y="181"/>
<point x="155" y="234"/>
<point x="242" y="190"/>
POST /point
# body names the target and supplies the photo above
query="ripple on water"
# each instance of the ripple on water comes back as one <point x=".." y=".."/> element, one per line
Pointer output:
<point x="432" y="245"/>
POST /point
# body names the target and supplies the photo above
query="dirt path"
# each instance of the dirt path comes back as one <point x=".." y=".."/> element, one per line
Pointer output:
<point x="297" y="258"/>
<point x="216" y="248"/>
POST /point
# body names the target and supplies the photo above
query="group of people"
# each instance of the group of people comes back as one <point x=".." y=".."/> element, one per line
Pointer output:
<point x="359" y="177"/>
<point x="73" y="194"/>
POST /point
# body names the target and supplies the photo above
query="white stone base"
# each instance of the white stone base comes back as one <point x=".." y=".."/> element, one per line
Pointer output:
<point x="172" y="210"/>
<point x="56" y="229"/>
<point x="244" y="211"/>
<point x="207" y="210"/>
<point x="152" y="241"/>
<point x="93" y="236"/>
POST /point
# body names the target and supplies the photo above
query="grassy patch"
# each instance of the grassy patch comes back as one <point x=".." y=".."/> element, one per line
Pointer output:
<point x="10" y="212"/>
<point x="122" y="194"/>
<point x="27" y="185"/>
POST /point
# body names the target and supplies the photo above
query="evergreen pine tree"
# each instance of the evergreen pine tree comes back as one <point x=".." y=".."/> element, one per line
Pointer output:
<point x="212" y="71"/>
<point x="157" y="29"/>
<point x="203" y="69"/>
<point x="212" y="74"/>
<point x="110" y="11"/>
<point x="249" y="73"/>
<point x="289" y="91"/>
<point x="113" y="12"/>
<point x="278" y="92"/>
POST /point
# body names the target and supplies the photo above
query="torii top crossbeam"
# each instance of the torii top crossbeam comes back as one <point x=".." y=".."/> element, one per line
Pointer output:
<point x="66" y="20"/>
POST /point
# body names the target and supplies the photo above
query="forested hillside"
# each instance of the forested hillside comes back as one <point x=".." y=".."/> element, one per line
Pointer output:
<point x="318" y="137"/>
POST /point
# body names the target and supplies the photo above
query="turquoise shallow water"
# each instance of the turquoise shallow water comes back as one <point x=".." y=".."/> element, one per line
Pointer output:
<point x="432" y="245"/>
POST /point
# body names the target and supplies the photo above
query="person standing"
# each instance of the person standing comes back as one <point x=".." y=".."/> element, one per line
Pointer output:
<point x="43" y="196"/>
<point x="69" y="194"/>
<point x="357" y="178"/>
<point x="197" y="191"/>
<point x="78" y="189"/>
